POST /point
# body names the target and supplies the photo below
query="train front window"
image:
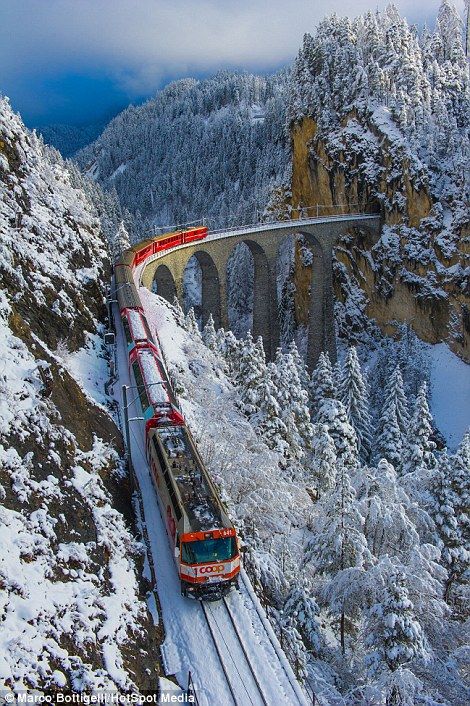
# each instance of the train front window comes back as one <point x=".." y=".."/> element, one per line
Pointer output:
<point x="206" y="550"/>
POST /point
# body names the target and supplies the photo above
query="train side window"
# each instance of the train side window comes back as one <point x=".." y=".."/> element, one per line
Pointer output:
<point x="144" y="400"/>
<point x="127" y="331"/>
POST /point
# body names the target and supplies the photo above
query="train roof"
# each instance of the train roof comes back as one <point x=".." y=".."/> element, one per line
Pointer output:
<point x="199" y="498"/>
<point x="138" y="324"/>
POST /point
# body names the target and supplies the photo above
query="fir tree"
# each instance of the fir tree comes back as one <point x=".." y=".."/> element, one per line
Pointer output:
<point x="232" y="352"/>
<point x="221" y="342"/>
<point x="178" y="311"/>
<point x="322" y="384"/>
<point x="268" y="418"/>
<point x="393" y="634"/>
<point x="324" y="460"/>
<point x="209" y="335"/>
<point x="293" y="402"/>
<point x="298" y="401"/>
<point x="251" y="374"/>
<point x="191" y="324"/>
<point x="455" y="554"/>
<point x="419" y="452"/>
<point x="338" y="548"/>
<point x="332" y="415"/>
<point x="389" y="444"/>
<point x="353" y="393"/>
<point x="303" y="609"/>
<point x="299" y="364"/>
<point x="121" y="241"/>
<point x="393" y="424"/>
<point x="460" y="464"/>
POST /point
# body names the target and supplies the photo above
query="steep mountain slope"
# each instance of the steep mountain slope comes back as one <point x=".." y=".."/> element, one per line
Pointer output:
<point x="71" y="613"/>
<point x="213" y="148"/>
<point x="379" y="117"/>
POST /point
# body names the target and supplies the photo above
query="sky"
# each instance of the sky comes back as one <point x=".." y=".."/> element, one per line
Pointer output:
<point x="81" y="61"/>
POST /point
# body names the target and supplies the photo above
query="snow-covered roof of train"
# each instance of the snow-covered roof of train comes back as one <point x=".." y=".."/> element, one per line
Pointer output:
<point x="156" y="387"/>
<point x="137" y="324"/>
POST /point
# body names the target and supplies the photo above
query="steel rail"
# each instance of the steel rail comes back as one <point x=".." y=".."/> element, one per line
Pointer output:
<point x="240" y="640"/>
<point x="217" y="648"/>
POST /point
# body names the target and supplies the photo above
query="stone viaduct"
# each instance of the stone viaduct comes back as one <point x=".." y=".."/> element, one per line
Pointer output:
<point x="320" y="234"/>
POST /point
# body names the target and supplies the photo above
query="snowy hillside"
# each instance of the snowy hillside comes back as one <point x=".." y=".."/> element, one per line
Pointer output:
<point x="213" y="148"/>
<point x="347" y="508"/>
<point x="71" y="610"/>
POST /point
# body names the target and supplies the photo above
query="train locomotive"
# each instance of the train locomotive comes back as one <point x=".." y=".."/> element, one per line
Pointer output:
<point x="203" y="539"/>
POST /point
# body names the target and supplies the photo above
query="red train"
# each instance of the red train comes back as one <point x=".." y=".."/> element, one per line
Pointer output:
<point x="201" y="534"/>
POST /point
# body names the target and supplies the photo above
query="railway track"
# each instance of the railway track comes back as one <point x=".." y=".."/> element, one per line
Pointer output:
<point x="233" y="656"/>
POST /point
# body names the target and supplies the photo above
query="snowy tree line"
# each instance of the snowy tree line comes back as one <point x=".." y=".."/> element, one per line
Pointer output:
<point x="378" y="588"/>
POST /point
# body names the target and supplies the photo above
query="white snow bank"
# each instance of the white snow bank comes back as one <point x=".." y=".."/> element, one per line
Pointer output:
<point x="450" y="393"/>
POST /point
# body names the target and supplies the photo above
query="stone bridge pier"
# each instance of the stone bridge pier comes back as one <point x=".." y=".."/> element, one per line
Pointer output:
<point x="167" y="272"/>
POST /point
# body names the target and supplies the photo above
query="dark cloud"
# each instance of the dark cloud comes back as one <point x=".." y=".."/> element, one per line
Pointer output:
<point x="138" y="44"/>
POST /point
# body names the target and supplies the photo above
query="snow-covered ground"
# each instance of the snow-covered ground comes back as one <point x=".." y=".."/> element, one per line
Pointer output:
<point x="450" y="393"/>
<point x="89" y="367"/>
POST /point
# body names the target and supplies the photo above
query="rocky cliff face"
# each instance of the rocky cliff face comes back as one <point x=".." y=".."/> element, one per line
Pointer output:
<point x="71" y="604"/>
<point x="379" y="120"/>
<point x="411" y="275"/>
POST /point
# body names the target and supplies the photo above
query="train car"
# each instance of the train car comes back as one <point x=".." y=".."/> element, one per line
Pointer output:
<point x="194" y="234"/>
<point x="146" y="248"/>
<point x="126" y="291"/>
<point x="155" y="395"/>
<point x="203" y="539"/>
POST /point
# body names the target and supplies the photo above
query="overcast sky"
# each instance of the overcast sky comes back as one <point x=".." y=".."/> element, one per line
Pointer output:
<point x="76" y="61"/>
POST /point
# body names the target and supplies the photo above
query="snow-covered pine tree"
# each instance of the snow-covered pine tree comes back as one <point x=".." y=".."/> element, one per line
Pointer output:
<point x="251" y="374"/>
<point x="221" y="342"/>
<point x="299" y="364"/>
<point x="121" y="241"/>
<point x="298" y="400"/>
<point x="455" y="549"/>
<point x="179" y="313"/>
<point x="303" y="608"/>
<point x="322" y="384"/>
<point x="209" y="335"/>
<point x="324" y="460"/>
<point x="293" y="646"/>
<point x="293" y="402"/>
<point x="332" y="414"/>
<point x="387" y="511"/>
<point x="353" y="393"/>
<point x="449" y="28"/>
<point x="461" y="483"/>
<point x="419" y="451"/>
<point x="389" y="443"/>
<point x="393" y="424"/>
<point x="393" y="635"/>
<point x="191" y="324"/>
<point x="338" y="549"/>
<point x="268" y="418"/>
<point x="232" y="352"/>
